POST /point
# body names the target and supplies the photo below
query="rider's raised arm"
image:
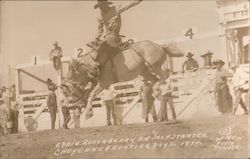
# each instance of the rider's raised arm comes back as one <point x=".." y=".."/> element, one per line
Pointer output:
<point x="127" y="6"/>
<point x="100" y="28"/>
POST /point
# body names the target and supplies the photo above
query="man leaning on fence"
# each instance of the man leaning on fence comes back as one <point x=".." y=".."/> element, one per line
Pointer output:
<point x="190" y="64"/>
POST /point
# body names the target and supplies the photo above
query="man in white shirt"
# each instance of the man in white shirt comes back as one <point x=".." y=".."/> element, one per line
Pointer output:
<point x="108" y="98"/>
<point x="163" y="91"/>
<point x="240" y="84"/>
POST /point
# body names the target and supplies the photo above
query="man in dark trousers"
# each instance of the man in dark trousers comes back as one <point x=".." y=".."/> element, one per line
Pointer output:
<point x="147" y="101"/>
<point x="163" y="90"/>
<point x="56" y="55"/>
<point x="65" y="112"/>
<point x="15" y="106"/>
<point x="109" y="101"/>
<point x="52" y="102"/>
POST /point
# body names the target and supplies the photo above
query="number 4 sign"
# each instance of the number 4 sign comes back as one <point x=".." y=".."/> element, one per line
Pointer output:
<point x="190" y="33"/>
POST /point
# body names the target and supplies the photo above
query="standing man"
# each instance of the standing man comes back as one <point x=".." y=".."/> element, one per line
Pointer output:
<point x="2" y="117"/>
<point x="52" y="103"/>
<point x="15" y="107"/>
<point x="240" y="84"/>
<point x="56" y="55"/>
<point x="108" y="98"/>
<point x="163" y="91"/>
<point x="166" y="97"/>
<point x="223" y="96"/>
<point x="147" y="101"/>
<point x="65" y="112"/>
<point x="110" y="21"/>
<point x="9" y="116"/>
<point x="191" y="64"/>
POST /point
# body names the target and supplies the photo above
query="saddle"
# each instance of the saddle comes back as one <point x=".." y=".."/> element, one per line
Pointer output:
<point x="123" y="46"/>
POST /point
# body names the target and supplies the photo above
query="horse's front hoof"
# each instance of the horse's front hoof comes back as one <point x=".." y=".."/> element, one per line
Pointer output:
<point x="89" y="113"/>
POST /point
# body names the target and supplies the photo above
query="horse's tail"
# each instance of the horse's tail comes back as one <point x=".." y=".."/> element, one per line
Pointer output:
<point x="172" y="50"/>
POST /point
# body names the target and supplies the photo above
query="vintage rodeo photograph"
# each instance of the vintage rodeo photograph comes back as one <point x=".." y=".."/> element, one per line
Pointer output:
<point x="124" y="79"/>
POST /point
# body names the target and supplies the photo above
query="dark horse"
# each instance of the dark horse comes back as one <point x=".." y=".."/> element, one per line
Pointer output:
<point x="143" y="58"/>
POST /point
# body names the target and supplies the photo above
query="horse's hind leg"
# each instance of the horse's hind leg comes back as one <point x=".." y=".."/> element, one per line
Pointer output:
<point x="97" y="89"/>
<point x="158" y="70"/>
<point x="149" y="76"/>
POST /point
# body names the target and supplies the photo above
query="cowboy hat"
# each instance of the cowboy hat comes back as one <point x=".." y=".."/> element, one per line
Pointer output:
<point x="102" y="2"/>
<point x="49" y="80"/>
<point x="189" y="54"/>
<point x="55" y="43"/>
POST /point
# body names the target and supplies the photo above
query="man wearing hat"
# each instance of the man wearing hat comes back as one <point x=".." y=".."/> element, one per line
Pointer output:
<point x="223" y="96"/>
<point x="109" y="101"/>
<point x="52" y="102"/>
<point x="110" y="21"/>
<point x="163" y="91"/>
<point x="191" y="64"/>
<point x="56" y="55"/>
<point x="147" y="101"/>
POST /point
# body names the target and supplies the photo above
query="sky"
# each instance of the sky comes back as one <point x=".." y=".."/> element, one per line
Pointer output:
<point x="29" y="28"/>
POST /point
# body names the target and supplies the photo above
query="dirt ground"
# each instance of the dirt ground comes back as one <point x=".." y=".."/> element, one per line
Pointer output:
<point x="186" y="139"/>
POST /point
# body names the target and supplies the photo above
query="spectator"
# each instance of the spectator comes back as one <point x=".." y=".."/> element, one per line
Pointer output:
<point x="56" y="55"/>
<point x="15" y="106"/>
<point x="2" y="114"/>
<point x="4" y="92"/>
<point x="9" y="116"/>
<point x="240" y="85"/>
<point x="52" y="103"/>
<point x="65" y="112"/>
<point x="223" y="96"/>
<point x="163" y="91"/>
<point x="108" y="98"/>
<point x="191" y="64"/>
<point x="147" y="101"/>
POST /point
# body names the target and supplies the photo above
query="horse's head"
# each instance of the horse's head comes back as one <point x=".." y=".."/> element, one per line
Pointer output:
<point x="74" y="92"/>
<point x="82" y="71"/>
<point x="86" y="65"/>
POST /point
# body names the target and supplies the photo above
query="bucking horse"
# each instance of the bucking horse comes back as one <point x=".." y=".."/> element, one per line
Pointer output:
<point x="96" y="70"/>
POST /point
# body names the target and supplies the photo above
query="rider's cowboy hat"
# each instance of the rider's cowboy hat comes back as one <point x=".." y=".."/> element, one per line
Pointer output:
<point x="102" y="2"/>
<point x="189" y="54"/>
<point x="219" y="62"/>
<point x="55" y="43"/>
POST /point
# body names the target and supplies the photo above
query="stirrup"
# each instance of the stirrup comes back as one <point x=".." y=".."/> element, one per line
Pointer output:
<point x="92" y="45"/>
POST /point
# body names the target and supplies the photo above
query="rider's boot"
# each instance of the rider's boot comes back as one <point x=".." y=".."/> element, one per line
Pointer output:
<point x="94" y="44"/>
<point x="114" y="72"/>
